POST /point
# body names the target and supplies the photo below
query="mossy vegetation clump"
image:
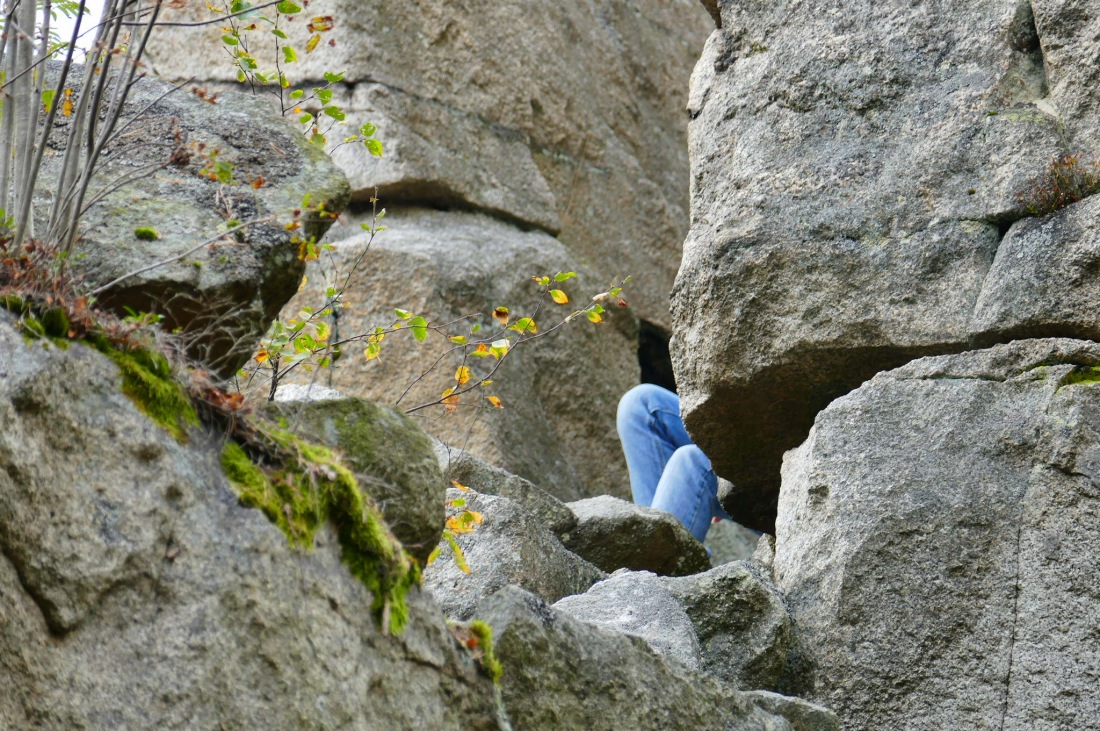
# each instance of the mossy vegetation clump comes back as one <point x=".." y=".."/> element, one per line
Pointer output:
<point x="147" y="379"/>
<point x="489" y="661"/>
<point x="1081" y="375"/>
<point x="299" y="486"/>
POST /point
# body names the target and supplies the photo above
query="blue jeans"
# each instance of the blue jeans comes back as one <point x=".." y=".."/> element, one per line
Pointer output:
<point x="667" y="471"/>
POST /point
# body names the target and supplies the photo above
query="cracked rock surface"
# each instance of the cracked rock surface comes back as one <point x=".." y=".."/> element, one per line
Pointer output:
<point x="854" y="168"/>
<point x="562" y="116"/>
<point x="937" y="544"/>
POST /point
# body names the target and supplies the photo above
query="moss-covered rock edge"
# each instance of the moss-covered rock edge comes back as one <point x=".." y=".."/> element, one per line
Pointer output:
<point x="300" y="498"/>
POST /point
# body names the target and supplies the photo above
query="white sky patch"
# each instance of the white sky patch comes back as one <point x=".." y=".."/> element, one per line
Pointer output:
<point x="64" y="25"/>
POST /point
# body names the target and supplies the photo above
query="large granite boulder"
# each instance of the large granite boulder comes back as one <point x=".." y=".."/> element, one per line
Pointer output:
<point x="564" y="116"/>
<point x="853" y="172"/>
<point x="937" y="543"/>
<point x="137" y="593"/>
<point x="223" y="295"/>
<point x="509" y="547"/>
<point x="557" y="427"/>
<point x="563" y="674"/>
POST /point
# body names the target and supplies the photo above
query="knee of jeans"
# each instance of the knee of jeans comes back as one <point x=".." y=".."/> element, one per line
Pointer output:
<point x="693" y="456"/>
<point x="636" y="405"/>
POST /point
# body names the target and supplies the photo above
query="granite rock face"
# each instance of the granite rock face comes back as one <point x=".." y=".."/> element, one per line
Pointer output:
<point x="566" y="116"/>
<point x="136" y="593"/>
<point x="561" y="673"/>
<point x="225" y="294"/>
<point x="510" y="547"/>
<point x="614" y="534"/>
<point x="853" y="171"/>
<point x="480" y="476"/>
<point x="742" y="624"/>
<point x="557" y="427"/>
<point x="637" y="603"/>
<point x="937" y="543"/>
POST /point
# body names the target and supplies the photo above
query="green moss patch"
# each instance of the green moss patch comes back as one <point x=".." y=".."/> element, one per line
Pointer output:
<point x="147" y="379"/>
<point x="1081" y="375"/>
<point x="311" y="487"/>
<point x="484" y="634"/>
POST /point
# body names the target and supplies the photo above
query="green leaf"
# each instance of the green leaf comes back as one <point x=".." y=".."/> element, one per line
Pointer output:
<point x="286" y="7"/>
<point x="335" y="112"/>
<point x="306" y="118"/>
<point x="374" y="146"/>
<point x="368" y="130"/>
<point x="289" y="56"/>
<point x="402" y="314"/>
<point x="334" y="78"/>
<point x="419" y="327"/>
<point x="460" y="557"/>
<point x="47" y="100"/>
<point x="458" y="339"/>
<point x="524" y="324"/>
<point x="297" y="94"/>
<point x="229" y="40"/>
<point x="278" y="33"/>
<point x="324" y="95"/>
<point x="562" y="276"/>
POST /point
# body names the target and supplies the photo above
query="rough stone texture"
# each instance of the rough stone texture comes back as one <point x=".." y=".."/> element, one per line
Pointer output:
<point x="851" y="170"/>
<point x="509" y="547"/>
<point x="136" y="593"/>
<point x="390" y="456"/>
<point x="730" y="541"/>
<point x="567" y="116"/>
<point x="802" y="715"/>
<point x="557" y="427"/>
<point x="1043" y="282"/>
<point x="765" y="552"/>
<point x="226" y="293"/>
<point x="468" y="470"/>
<point x="743" y="626"/>
<point x="615" y="534"/>
<point x="637" y="603"/>
<point x="563" y="674"/>
<point x="937" y="544"/>
<point x="308" y="392"/>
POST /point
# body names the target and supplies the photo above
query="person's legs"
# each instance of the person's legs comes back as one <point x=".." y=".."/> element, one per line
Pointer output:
<point x="650" y="430"/>
<point x="688" y="489"/>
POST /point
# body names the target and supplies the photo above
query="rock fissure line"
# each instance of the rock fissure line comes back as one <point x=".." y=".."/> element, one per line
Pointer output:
<point x="26" y="590"/>
<point x="1015" y="622"/>
<point x="497" y="128"/>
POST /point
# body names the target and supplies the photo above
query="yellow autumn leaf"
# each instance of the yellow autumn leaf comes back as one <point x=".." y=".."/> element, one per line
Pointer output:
<point x="501" y="315"/>
<point x="495" y="401"/>
<point x="67" y="104"/>
<point x="594" y="316"/>
<point x="457" y="525"/>
<point x="559" y="297"/>
<point x="459" y="486"/>
<point x="305" y="280"/>
<point x="463" y="375"/>
<point x="262" y="356"/>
